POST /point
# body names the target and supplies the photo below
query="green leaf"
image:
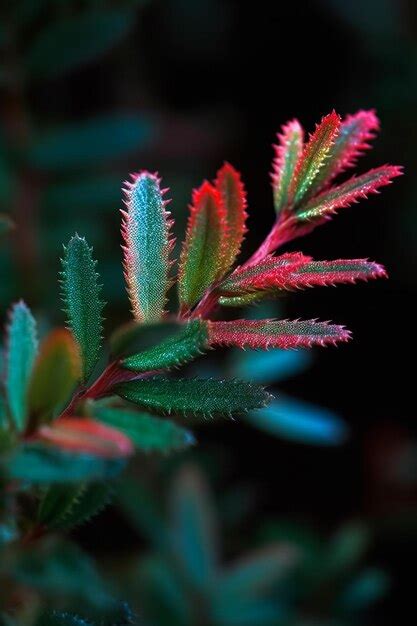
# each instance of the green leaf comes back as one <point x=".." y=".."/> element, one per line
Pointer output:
<point x="183" y="346"/>
<point x="40" y="464"/>
<point x="194" y="539"/>
<point x="194" y="396"/>
<point x="22" y="346"/>
<point x="89" y="143"/>
<point x="81" y="295"/>
<point x="75" y="41"/>
<point x="56" y="372"/>
<point x="148" y="433"/>
<point x="63" y="507"/>
<point x="347" y="548"/>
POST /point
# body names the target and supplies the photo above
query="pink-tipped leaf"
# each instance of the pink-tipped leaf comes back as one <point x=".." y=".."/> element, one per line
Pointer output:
<point x="323" y="273"/>
<point x="271" y="333"/>
<point x="229" y="184"/>
<point x="203" y="252"/>
<point x="288" y="151"/>
<point x="147" y="245"/>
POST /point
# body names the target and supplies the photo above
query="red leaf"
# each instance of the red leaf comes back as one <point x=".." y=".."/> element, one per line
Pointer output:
<point x="323" y="273"/>
<point x="86" y="436"/>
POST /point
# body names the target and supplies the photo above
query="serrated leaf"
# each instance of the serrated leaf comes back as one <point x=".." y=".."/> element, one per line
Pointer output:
<point x="182" y="347"/>
<point x="193" y="530"/>
<point x="76" y="40"/>
<point x="22" y="347"/>
<point x="287" y="154"/>
<point x="355" y="133"/>
<point x="148" y="243"/>
<point x="81" y="295"/>
<point x="132" y="337"/>
<point x="314" y="156"/>
<point x="229" y="184"/>
<point x="40" y="464"/>
<point x="324" y="273"/>
<point x="88" y="143"/>
<point x="56" y="372"/>
<point x="63" y="507"/>
<point x="148" y="433"/>
<point x="203" y="252"/>
<point x="300" y="422"/>
<point x="270" y="333"/>
<point x="82" y="435"/>
<point x="193" y="396"/>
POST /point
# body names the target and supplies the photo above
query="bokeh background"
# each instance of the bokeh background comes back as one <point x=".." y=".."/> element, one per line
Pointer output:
<point x="92" y="90"/>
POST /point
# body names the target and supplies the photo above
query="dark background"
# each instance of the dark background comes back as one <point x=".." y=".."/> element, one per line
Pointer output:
<point x="214" y="80"/>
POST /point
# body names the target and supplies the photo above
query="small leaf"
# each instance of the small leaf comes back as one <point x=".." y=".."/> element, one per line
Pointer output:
<point x="203" y="252"/>
<point x="76" y="40"/>
<point x="63" y="507"/>
<point x="194" y="539"/>
<point x="81" y="295"/>
<point x="314" y="156"/>
<point x="148" y="243"/>
<point x="148" y="433"/>
<point x="56" y="372"/>
<point x="366" y="588"/>
<point x="287" y="154"/>
<point x="88" y="143"/>
<point x="324" y="273"/>
<point x="41" y="464"/>
<point x="284" y="334"/>
<point x="183" y="346"/>
<point x="22" y="347"/>
<point x="270" y="367"/>
<point x="193" y="396"/>
<point x="355" y="133"/>
<point x="86" y="436"/>
<point x="300" y="422"/>
<point x="232" y="191"/>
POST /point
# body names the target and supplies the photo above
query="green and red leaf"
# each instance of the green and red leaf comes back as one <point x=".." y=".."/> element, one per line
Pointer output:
<point x="288" y="151"/>
<point x="271" y="333"/>
<point x="229" y="184"/>
<point x="323" y="273"/>
<point x="82" y="435"/>
<point x="147" y="246"/>
<point x="204" y="249"/>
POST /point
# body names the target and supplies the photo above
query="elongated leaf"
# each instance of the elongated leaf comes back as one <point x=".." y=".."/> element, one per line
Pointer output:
<point x="74" y="41"/>
<point x="194" y="396"/>
<point x="56" y="372"/>
<point x="183" y="346"/>
<point x="86" y="436"/>
<point x="132" y="337"/>
<point x="40" y="464"/>
<point x="22" y="347"/>
<point x="287" y="154"/>
<point x="65" y="506"/>
<point x="322" y="206"/>
<point x="203" y="252"/>
<point x="276" y="333"/>
<point x="194" y="539"/>
<point x="323" y="273"/>
<point x="270" y="272"/>
<point x="243" y="300"/>
<point x="314" y="156"/>
<point x="148" y="433"/>
<point x="270" y="367"/>
<point x="300" y="422"/>
<point x="85" y="144"/>
<point x="232" y="191"/>
<point x="81" y="296"/>
<point x="355" y="133"/>
<point x="146" y="232"/>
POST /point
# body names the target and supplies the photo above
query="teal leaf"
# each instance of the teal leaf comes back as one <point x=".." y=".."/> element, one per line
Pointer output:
<point x="74" y="41"/>
<point x="300" y="422"/>
<point x="89" y="143"/>
<point x="65" y="506"/>
<point x="39" y="465"/>
<point x="148" y="433"/>
<point x="81" y="296"/>
<point x="194" y="537"/>
<point x="194" y="396"/>
<point x="364" y="590"/>
<point x="183" y="346"/>
<point x="57" y="618"/>
<point x="22" y="347"/>
<point x="271" y="366"/>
